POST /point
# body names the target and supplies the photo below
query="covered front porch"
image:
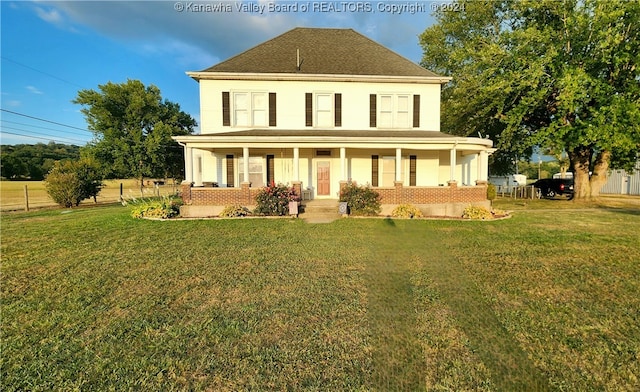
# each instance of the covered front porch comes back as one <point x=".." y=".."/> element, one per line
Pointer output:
<point x="414" y="167"/>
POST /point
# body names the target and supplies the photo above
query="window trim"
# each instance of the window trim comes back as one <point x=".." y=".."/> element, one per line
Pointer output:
<point x="333" y="114"/>
<point x="269" y="111"/>
<point x="240" y="167"/>
<point x="410" y="120"/>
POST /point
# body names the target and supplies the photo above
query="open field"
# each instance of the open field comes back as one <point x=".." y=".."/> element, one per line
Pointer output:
<point x="12" y="193"/>
<point x="94" y="300"/>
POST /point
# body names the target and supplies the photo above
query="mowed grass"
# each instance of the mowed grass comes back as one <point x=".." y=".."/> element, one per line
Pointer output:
<point x="95" y="300"/>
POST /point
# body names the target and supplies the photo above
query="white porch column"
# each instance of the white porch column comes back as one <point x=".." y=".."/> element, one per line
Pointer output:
<point x="245" y="163"/>
<point x="482" y="165"/>
<point x="188" y="163"/>
<point x="296" y="164"/>
<point x="398" y="164"/>
<point x="343" y="164"/>
<point x="452" y="164"/>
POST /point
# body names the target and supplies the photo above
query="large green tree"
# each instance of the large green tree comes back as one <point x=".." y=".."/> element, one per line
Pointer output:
<point x="133" y="126"/>
<point x="561" y="75"/>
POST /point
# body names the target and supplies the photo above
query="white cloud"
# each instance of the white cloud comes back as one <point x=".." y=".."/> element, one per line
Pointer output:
<point x="200" y="39"/>
<point x="34" y="90"/>
<point x="12" y="103"/>
<point x="52" y="16"/>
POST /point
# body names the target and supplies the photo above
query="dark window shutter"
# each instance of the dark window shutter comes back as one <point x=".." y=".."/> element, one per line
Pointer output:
<point x="374" y="170"/>
<point x="230" y="171"/>
<point x="226" y="110"/>
<point x="270" y="170"/>
<point x="272" y="109"/>
<point x="338" y="109"/>
<point x="308" y="109"/>
<point x="416" y="111"/>
<point x="412" y="169"/>
<point x="372" y="111"/>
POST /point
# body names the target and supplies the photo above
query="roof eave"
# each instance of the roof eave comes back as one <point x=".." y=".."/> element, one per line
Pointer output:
<point x="200" y="75"/>
<point x="455" y="140"/>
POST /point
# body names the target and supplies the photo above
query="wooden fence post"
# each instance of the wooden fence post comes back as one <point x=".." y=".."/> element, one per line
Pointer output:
<point x="26" y="198"/>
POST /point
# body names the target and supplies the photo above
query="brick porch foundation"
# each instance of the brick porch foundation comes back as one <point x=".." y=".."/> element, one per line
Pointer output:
<point x="442" y="200"/>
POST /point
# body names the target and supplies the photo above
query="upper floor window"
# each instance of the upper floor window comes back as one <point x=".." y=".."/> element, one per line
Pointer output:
<point x="394" y="111"/>
<point x="323" y="110"/>
<point x="248" y="109"/>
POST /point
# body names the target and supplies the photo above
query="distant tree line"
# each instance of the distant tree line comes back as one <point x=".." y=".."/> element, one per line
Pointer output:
<point x="34" y="161"/>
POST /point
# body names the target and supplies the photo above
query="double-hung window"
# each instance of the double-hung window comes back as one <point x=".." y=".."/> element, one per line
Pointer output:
<point x="248" y="109"/>
<point x="395" y="110"/>
<point x="256" y="176"/>
<point x="398" y="111"/>
<point x="323" y="110"/>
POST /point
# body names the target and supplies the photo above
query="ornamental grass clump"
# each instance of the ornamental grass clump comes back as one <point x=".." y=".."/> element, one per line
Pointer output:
<point x="235" y="211"/>
<point x="406" y="211"/>
<point x="274" y="200"/>
<point x="475" y="212"/>
<point x="361" y="200"/>
<point x="163" y="208"/>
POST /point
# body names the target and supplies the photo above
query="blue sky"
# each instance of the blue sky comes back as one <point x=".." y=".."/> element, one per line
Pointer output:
<point x="50" y="50"/>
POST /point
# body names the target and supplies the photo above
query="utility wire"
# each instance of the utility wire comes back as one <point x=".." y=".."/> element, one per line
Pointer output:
<point x="36" y="137"/>
<point x="42" y="72"/>
<point x="42" y="119"/>
<point x="38" y="133"/>
<point x="49" y="129"/>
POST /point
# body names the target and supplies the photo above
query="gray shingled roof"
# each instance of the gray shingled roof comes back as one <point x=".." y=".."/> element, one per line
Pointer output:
<point x="322" y="51"/>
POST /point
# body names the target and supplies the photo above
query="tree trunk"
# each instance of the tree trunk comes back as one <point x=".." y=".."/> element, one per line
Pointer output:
<point x="580" y="159"/>
<point x="600" y="173"/>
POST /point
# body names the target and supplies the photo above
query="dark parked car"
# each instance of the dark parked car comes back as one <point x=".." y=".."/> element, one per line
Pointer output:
<point x="551" y="187"/>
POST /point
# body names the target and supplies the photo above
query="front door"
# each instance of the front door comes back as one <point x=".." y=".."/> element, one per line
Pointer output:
<point x="324" y="178"/>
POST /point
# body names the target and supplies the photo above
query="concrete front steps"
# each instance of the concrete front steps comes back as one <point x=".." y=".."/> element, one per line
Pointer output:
<point x="320" y="211"/>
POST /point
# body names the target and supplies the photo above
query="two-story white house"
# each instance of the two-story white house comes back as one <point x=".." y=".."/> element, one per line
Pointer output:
<point x="315" y="108"/>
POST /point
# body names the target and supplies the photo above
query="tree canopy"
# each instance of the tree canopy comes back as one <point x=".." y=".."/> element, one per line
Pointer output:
<point x="561" y="75"/>
<point x="133" y="126"/>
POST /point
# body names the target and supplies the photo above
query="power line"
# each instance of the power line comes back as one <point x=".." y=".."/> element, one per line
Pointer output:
<point x="35" y="137"/>
<point x="42" y="119"/>
<point x="49" y="129"/>
<point x="42" y="72"/>
<point x="38" y="133"/>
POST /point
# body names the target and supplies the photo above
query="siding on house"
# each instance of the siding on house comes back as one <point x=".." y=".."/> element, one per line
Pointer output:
<point x="293" y="98"/>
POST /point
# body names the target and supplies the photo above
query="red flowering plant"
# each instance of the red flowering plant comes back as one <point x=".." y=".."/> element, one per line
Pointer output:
<point x="274" y="200"/>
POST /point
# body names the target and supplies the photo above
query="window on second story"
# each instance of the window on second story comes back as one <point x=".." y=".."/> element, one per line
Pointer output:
<point x="248" y="109"/>
<point x="323" y="110"/>
<point x="394" y="111"/>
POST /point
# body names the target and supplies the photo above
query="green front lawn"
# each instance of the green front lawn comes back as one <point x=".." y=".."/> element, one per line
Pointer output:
<point x="95" y="300"/>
